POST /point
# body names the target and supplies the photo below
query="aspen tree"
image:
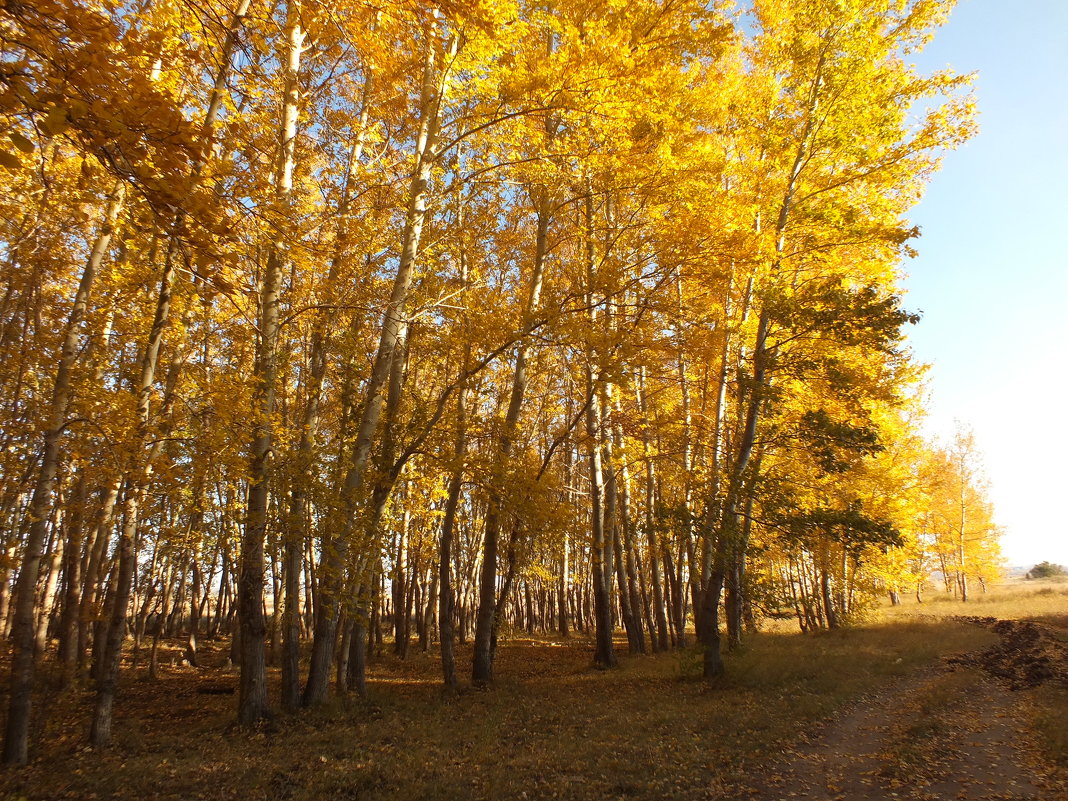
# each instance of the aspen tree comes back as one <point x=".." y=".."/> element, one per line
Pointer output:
<point x="824" y="57"/>
<point x="392" y="329"/>
<point x="252" y="697"/>
<point x="22" y="659"/>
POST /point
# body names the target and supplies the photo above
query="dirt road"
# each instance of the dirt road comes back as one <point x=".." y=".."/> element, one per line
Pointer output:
<point x="957" y="731"/>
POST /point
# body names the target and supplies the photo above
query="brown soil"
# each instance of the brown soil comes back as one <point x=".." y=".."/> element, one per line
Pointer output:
<point x="1026" y="654"/>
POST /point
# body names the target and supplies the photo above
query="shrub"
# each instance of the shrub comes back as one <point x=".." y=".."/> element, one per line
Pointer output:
<point x="1045" y="570"/>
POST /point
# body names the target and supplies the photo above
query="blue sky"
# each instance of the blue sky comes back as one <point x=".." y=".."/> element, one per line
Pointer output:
<point x="992" y="274"/>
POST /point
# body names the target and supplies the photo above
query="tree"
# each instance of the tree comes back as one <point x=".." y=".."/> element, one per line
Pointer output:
<point x="965" y="537"/>
<point x="1045" y="570"/>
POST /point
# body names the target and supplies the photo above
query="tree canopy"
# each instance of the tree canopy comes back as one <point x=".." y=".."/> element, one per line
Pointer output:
<point x="318" y="317"/>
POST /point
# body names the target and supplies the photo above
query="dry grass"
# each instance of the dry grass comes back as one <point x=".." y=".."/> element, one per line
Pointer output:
<point x="554" y="727"/>
<point x="1049" y="710"/>
<point x="1044" y="601"/>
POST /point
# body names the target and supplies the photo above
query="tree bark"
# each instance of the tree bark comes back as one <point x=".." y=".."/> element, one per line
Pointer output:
<point x="252" y="687"/>
<point x="22" y="634"/>
<point x="482" y="668"/>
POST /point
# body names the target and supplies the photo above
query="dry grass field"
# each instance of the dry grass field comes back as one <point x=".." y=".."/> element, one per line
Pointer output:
<point x="553" y="727"/>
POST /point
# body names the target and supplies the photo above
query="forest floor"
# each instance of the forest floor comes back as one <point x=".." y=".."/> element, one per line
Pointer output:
<point x="921" y="704"/>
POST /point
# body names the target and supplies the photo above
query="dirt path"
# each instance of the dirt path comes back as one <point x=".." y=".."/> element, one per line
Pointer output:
<point x="953" y="732"/>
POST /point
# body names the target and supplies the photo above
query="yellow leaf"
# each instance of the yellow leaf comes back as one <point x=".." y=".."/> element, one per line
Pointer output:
<point x="21" y="142"/>
<point x="10" y="160"/>
<point x="55" y="122"/>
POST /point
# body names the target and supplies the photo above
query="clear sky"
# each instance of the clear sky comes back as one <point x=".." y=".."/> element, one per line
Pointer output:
<point x="992" y="274"/>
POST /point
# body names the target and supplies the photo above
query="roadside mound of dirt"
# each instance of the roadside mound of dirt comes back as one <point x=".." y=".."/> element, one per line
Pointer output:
<point x="1027" y="654"/>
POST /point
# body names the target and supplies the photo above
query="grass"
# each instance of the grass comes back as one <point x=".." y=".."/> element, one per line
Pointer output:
<point x="1042" y="600"/>
<point x="553" y="727"/>
<point x="1048" y="707"/>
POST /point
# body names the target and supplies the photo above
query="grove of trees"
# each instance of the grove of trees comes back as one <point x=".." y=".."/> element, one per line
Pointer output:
<point x="320" y="320"/>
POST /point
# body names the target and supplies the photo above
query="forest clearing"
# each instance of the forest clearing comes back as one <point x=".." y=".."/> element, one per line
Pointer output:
<point x="791" y="709"/>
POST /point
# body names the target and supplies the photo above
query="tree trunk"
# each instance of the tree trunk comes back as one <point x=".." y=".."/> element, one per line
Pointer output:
<point x="394" y="329"/>
<point x="100" y="733"/>
<point x="72" y="578"/>
<point x="660" y="639"/>
<point x="252" y="694"/>
<point x="604" y="655"/>
<point x="482" y="669"/>
<point x="22" y="634"/>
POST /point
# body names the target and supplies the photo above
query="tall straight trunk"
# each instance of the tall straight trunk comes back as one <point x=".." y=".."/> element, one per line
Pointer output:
<point x="403" y="585"/>
<point x="446" y="593"/>
<point x="728" y="532"/>
<point x="387" y="470"/>
<point x="699" y="567"/>
<point x="825" y="587"/>
<point x="626" y="611"/>
<point x="157" y="633"/>
<point x="147" y="597"/>
<point x="399" y="587"/>
<point x="344" y="654"/>
<point x="293" y="551"/>
<point x="194" y="599"/>
<point x="252" y="704"/>
<point x="485" y="621"/>
<point x="734" y="600"/>
<point x="50" y="573"/>
<point x="429" y="611"/>
<point x="679" y="583"/>
<point x="111" y="653"/>
<point x="5" y="585"/>
<point x="611" y="514"/>
<point x="962" y="577"/>
<point x="72" y="578"/>
<point x="297" y="530"/>
<point x="564" y="588"/>
<point x="138" y="471"/>
<point x="22" y="634"/>
<point x="393" y="331"/>
<point x="600" y="546"/>
<point x="660" y="638"/>
<point x="446" y="596"/>
<point x="646" y="601"/>
<point x="416" y="592"/>
<point x="604" y="655"/>
<point x="274" y="628"/>
<point x="629" y="585"/>
<point x="311" y="586"/>
<point x="363" y="625"/>
<point x="529" y="614"/>
<point x="94" y="566"/>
